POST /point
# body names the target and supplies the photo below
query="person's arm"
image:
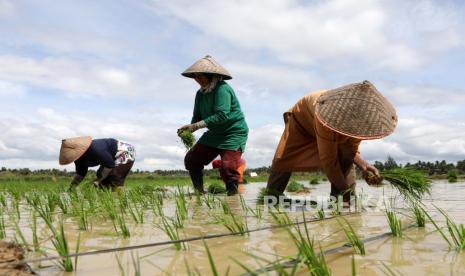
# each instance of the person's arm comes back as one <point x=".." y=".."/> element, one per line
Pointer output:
<point x="103" y="174"/>
<point x="369" y="172"/>
<point x="105" y="159"/>
<point x="81" y="172"/>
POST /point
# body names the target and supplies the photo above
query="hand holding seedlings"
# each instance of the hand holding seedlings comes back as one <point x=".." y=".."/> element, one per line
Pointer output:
<point x="372" y="176"/>
<point x="187" y="138"/>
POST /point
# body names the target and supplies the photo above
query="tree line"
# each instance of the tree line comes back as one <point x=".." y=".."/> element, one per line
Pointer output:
<point x="431" y="168"/>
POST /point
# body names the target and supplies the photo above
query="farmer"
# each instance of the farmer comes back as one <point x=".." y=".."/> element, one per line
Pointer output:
<point x="216" y="108"/>
<point x="323" y="130"/>
<point x="114" y="157"/>
<point x="217" y="164"/>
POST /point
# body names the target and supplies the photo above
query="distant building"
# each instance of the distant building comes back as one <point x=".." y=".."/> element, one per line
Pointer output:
<point x="253" y="174"/>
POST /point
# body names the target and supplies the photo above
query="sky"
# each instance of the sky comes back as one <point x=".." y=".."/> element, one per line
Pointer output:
<point x="111" y="68"/>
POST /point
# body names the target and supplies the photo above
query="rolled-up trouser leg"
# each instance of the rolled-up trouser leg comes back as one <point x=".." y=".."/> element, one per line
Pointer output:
<point x="277" y="182"/>
<point x="196" y="158"/>
<point x="118" y="175"/>
<point x="229" y="169"/>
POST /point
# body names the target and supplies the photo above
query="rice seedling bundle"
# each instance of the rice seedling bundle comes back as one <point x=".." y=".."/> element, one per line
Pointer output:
<point x="408" y="182"/>
<point x="187" y="139"/>
<point x="294" y="186"/>
<point x="216" y="188"/>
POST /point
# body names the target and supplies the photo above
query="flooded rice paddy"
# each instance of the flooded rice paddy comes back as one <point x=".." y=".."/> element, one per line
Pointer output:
<point x="97" y="221"/>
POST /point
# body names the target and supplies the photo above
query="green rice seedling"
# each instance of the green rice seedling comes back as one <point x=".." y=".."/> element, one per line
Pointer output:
<point x="123" y="201"/>
<point x="294" y="186"/>
<point x="52" y="201"/>
<point x="261" y="196"/>
<point x="244" y="206"/>
<point x="78" y="246"/>
<point x="172" y="233"/>
<point x="210" y="201"/>
<point x="210" y="260"/>
<point x="394" y="223"/>
<point x="136" y="212"/>
<point x="419" y="213"/>
<point x="2" y="225"/>
<point x="281" y="218"/>
<point x="408" y="182"/>
<point x="60" y="242"/>
<point x="63" y="203"/>
<point x="156" y="202"/>
<point x="216" y="188"/>
<point x="314" y="181"/>
<point x="456" y="232"/>
<point x="226" y="207"/>
<point x="354" y="267"/>
<point x="19" y="233"/>
<point x="240" y="224"/>
<point x="316" y="263"/>
<point x="15" y="205"/>
<point x="355" y="241"/>
<point x="187" y="138"/>
<point x="181" y="207"/>
<point x="120" y="266"/>
<point x="121" y="222"/>
<point x="281" y="270"/>
<point x="83" y="217"/>
<point x="136" y="264"/>
<point x="109" y="205"/>
<point x="3" y="200"/>
<point x="35" y="238"/>
<point x="257" y="212"/>
<point x="321" y="213"/>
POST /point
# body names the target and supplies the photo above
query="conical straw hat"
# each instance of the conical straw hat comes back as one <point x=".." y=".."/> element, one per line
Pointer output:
<point x="357" y="110"/>
<point x="73" y="148"/>
<point x="206" y="65"/>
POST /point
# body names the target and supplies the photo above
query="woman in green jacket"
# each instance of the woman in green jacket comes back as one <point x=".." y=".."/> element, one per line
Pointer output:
<point x="216" y="108"/>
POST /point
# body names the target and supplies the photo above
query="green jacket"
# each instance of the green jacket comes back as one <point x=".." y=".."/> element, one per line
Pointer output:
<point x="222" y="113"/>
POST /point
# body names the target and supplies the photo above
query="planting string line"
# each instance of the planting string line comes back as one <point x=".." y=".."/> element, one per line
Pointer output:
<point x="290" y="264"/>
<point x="132" y="247"/>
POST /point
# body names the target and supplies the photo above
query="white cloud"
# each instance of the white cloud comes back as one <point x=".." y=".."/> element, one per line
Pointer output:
<point x="69" y="75"/>
<point x="11" y="89"/>
<point x="6" y="8"/>
<point x="329" y="31"/>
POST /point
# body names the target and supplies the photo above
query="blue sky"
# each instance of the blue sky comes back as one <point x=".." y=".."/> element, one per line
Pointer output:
<point x="112" y="69"/>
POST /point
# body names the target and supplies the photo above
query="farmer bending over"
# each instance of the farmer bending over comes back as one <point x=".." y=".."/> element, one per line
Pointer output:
<point x="323" y="130"/>
<point x="114" y="157"/>
<point x="216" y="108"/>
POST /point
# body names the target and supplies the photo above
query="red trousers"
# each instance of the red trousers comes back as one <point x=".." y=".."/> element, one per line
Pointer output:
<point x="201" y="155"/>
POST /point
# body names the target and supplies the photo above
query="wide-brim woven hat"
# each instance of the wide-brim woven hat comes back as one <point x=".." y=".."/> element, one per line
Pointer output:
<point x="206" y="65"/>
<point x="357" y="110"/>
<point x="73" y="148"/>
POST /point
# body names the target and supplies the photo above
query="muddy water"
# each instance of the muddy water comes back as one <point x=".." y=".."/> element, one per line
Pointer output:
<point x="420" y="252"/>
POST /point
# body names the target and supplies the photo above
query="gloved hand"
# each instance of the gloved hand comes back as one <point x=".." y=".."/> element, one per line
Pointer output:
<point x="372" y="176"/>
<point x="192" y="127"/>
